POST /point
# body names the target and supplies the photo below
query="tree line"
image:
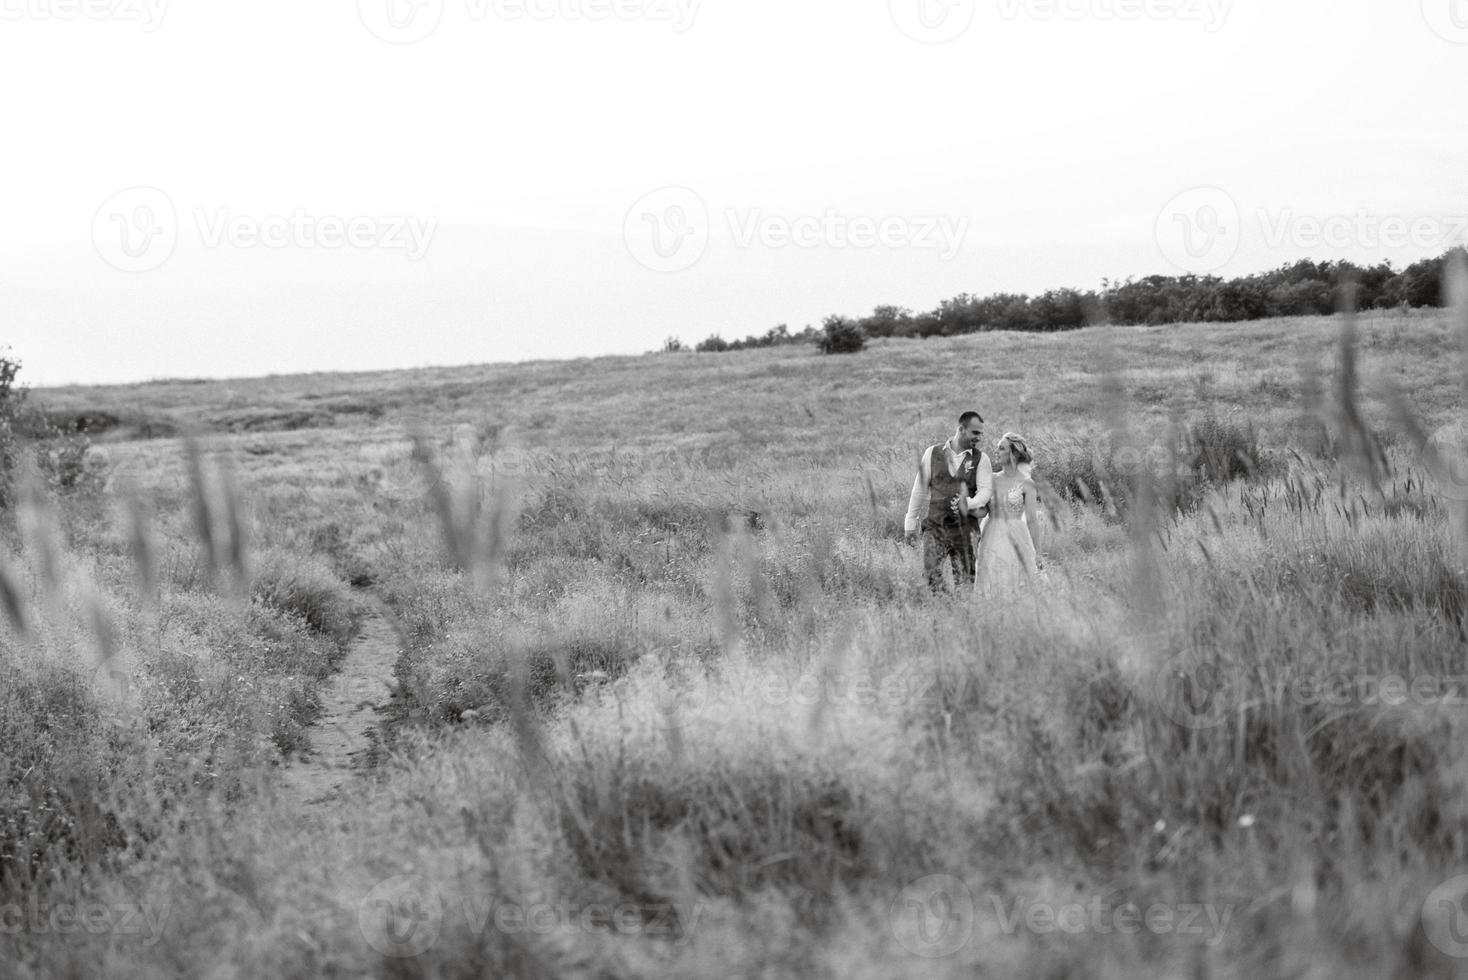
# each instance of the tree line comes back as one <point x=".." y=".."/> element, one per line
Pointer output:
<point x="1302" y="288"/>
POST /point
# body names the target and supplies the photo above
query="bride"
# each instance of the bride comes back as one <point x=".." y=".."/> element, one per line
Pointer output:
<point x="1006" y="559"/>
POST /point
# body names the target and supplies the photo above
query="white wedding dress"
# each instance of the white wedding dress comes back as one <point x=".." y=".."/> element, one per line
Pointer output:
<point x="1006" y="560"/>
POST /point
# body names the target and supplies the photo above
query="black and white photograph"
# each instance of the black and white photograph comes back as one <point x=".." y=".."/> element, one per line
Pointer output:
<point x="685" y="489"/>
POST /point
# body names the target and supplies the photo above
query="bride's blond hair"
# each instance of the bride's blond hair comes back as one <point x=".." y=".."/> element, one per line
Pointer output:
<point x="1018" y="447"/>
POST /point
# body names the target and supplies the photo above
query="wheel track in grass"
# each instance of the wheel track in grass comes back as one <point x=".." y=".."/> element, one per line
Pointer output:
<point x="344" y="734"/>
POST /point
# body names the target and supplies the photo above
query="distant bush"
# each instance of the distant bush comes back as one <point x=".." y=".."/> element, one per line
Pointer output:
<point x="778" y="336"/>
<point x="888" y="321"/>
<point x="841" y="336"/>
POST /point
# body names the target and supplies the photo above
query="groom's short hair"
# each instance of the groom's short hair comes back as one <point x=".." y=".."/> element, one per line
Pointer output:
<point x="966" y="417"/>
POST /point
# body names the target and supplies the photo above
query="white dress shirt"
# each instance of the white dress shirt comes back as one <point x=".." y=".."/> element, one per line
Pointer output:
<point x="917" y="504"/>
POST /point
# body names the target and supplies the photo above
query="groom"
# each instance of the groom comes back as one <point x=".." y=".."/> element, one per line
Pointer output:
<point x="945" y="471"/>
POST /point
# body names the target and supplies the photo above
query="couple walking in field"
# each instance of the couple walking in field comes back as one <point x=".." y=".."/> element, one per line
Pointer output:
<point x="956" y="486"/>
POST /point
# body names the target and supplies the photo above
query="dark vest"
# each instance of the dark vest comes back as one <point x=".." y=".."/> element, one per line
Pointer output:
<point x="942" y="487"/>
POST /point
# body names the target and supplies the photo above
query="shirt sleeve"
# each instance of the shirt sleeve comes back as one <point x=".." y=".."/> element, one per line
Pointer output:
<point x="918" y="502"/>
<point x="986" y="484"/>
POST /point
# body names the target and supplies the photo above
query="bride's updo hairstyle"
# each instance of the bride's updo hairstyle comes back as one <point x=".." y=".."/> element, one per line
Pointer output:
<point x="1019" y="448"/>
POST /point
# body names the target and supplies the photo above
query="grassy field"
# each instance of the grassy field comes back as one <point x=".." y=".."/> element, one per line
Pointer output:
<point x="673" y="701"/>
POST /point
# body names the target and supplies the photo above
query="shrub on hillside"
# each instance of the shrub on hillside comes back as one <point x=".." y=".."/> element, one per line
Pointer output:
<point x="1176" y="466"/>
<point x="10" y="403"/>
<point x="58" y="752"/>
<point x="501" y="675"/>
<point x="59" y="455"/>
<point x="841" y="336"/>
<point x="1223" y="450"/>
<point x="308" y="588"/>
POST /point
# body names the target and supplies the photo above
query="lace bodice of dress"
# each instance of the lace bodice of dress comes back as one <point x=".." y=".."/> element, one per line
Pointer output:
<point x="1013" y="503"/>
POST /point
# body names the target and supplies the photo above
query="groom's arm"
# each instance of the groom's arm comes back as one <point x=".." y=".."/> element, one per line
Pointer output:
<point x="985" y="493"/>
<point x="918" y="501"/>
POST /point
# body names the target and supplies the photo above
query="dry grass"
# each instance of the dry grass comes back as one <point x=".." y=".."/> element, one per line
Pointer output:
<point x="673" y="690"/>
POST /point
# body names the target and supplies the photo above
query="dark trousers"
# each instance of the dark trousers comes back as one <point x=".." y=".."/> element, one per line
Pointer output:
<point x="952" y="545"/>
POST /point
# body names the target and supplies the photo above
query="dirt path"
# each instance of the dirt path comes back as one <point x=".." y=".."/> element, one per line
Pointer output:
<point x="350" y="702"/>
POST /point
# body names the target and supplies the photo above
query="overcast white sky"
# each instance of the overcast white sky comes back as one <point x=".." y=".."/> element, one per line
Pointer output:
<point x="534" y="178"/>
